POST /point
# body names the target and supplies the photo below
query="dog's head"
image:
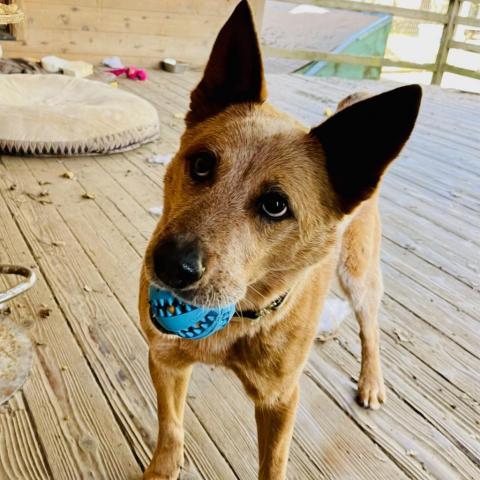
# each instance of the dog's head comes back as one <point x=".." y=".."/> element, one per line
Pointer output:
<point x="253" y="198"/>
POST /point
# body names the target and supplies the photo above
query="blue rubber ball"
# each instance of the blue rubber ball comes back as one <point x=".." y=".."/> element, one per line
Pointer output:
<point x="176" y="317"/>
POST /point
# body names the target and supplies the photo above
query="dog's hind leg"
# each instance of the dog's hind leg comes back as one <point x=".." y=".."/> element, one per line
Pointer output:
<point x="361" y="279"/>
<point x="171" y="384"/>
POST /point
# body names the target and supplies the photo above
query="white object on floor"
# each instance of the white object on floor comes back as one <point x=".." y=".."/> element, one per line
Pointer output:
<point x="160" y="159"/>
<point x="53" y="64"/>
<point x="156" y="211"/>
<point x="113" y="62"/>
<point x="334" y="313"/>
<point x="78" y="69"/>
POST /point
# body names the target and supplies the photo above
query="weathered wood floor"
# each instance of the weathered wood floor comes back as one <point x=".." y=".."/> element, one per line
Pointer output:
<point x="88" y="409"/>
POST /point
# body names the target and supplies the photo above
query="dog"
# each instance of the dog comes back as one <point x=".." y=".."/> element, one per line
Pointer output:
<point x="262" y="212"/>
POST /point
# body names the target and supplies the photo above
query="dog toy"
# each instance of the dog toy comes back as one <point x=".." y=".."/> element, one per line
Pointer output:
<point x="170" y="314"/>
<point x="131" y="72"/>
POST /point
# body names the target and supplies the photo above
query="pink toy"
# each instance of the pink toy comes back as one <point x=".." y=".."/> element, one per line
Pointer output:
<point x="131" y="72"/>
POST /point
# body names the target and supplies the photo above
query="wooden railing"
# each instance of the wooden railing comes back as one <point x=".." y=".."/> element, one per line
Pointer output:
<point x="449" y="20"/>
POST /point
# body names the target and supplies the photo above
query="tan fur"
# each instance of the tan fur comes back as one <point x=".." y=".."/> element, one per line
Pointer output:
<point x="250" y="263"/>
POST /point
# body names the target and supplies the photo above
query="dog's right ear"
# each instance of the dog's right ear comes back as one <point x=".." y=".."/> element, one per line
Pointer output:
<point x="234" y="72"/>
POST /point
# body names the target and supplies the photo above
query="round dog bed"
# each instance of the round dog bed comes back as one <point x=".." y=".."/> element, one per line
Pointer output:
<point x="59" y="115"/>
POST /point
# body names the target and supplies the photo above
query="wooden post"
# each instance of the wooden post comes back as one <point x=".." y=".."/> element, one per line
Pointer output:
<point x="447" y="35"/>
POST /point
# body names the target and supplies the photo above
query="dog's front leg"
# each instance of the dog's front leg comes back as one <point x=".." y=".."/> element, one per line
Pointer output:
<point x="171" y="384"/>
<point x="275" y="421"/>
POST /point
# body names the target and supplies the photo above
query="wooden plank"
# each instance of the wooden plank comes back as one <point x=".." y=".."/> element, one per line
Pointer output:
<point x="343" y="58"/>
<point x="62" y="393"/>
<point x="113" y="346"/>
<point x="470" y="21"/>
<point x="203" y="7"/>
<point x="444" y="317"/>
<point x="431" y="347"/>
<point x="469" y="47"/>
<point x="447" y="211"/>
<point x="457" y="227"/>
<point x="430" y="185"/>
<point x="411" y="233"/>
<point x="462" y="71"/>
<point x="332" y="445"/>
<point x="459" y="295"/>
<point x="20" y="452"/>
<point x="127" y="22"/>
<point x="418" y="428"/>
<point x="98" y="43"/>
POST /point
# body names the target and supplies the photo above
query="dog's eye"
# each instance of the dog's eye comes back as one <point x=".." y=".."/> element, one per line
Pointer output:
<point x="274" y="206"/>
<point x="202" y="166"/>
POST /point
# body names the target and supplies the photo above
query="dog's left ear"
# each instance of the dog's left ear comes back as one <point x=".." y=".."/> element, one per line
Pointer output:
<point x="234" y="72"/>
<point x="362" y="139"/>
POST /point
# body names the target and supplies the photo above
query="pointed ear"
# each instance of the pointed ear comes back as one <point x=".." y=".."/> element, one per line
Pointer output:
<point x="360" y="141"/>
<point x="234" y="72"/>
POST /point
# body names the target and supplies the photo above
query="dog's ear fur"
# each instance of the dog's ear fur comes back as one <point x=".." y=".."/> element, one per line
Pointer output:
<point x="362" y="139"/>
<point x="234" y="72"/>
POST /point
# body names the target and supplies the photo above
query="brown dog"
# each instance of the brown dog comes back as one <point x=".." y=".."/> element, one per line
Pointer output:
<point x="258" y="207"/>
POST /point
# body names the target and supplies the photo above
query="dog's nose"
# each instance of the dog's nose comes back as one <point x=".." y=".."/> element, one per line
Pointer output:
<point x="178" y="261"/>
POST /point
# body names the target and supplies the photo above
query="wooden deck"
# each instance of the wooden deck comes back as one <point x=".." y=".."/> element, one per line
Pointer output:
<point x="88" y="409"/>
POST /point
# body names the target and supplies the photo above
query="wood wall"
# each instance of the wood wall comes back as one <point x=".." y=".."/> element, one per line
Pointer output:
<point x="141" y="32"/>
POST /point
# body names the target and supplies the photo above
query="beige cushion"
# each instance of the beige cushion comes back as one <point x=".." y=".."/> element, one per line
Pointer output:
<point x="58" y="115"/>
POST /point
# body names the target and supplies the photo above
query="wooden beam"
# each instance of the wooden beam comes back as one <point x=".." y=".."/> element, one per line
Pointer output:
<point x="471" y="22"/>
<point x="447" y="34"/>
<point x="469" y="47"/>
<point x="370" y="7"/>
<point x="309" y="55"/>
<point x="463" y="71"/>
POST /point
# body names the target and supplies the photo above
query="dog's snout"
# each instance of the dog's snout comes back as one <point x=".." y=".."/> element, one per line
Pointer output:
<point x="178" y="261"/>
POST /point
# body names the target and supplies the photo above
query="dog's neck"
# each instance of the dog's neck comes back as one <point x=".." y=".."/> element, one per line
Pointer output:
<point x="264" y="311"/>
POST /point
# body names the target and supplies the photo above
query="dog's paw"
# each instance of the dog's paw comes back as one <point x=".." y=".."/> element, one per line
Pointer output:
<point x="371" y="391"/>
<point x="159" y="471"/>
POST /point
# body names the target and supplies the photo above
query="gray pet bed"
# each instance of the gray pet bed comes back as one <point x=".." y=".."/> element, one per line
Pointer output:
<point x="59" y="115"/>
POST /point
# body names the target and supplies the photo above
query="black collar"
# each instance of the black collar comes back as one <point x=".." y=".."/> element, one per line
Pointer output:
<point x="256" y="314"/>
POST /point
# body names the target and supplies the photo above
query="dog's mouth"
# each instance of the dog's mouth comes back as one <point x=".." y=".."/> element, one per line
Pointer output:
<point x="199" y="328"/>
<point x="172" y="315"/>
<point x="171" y="307"/>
